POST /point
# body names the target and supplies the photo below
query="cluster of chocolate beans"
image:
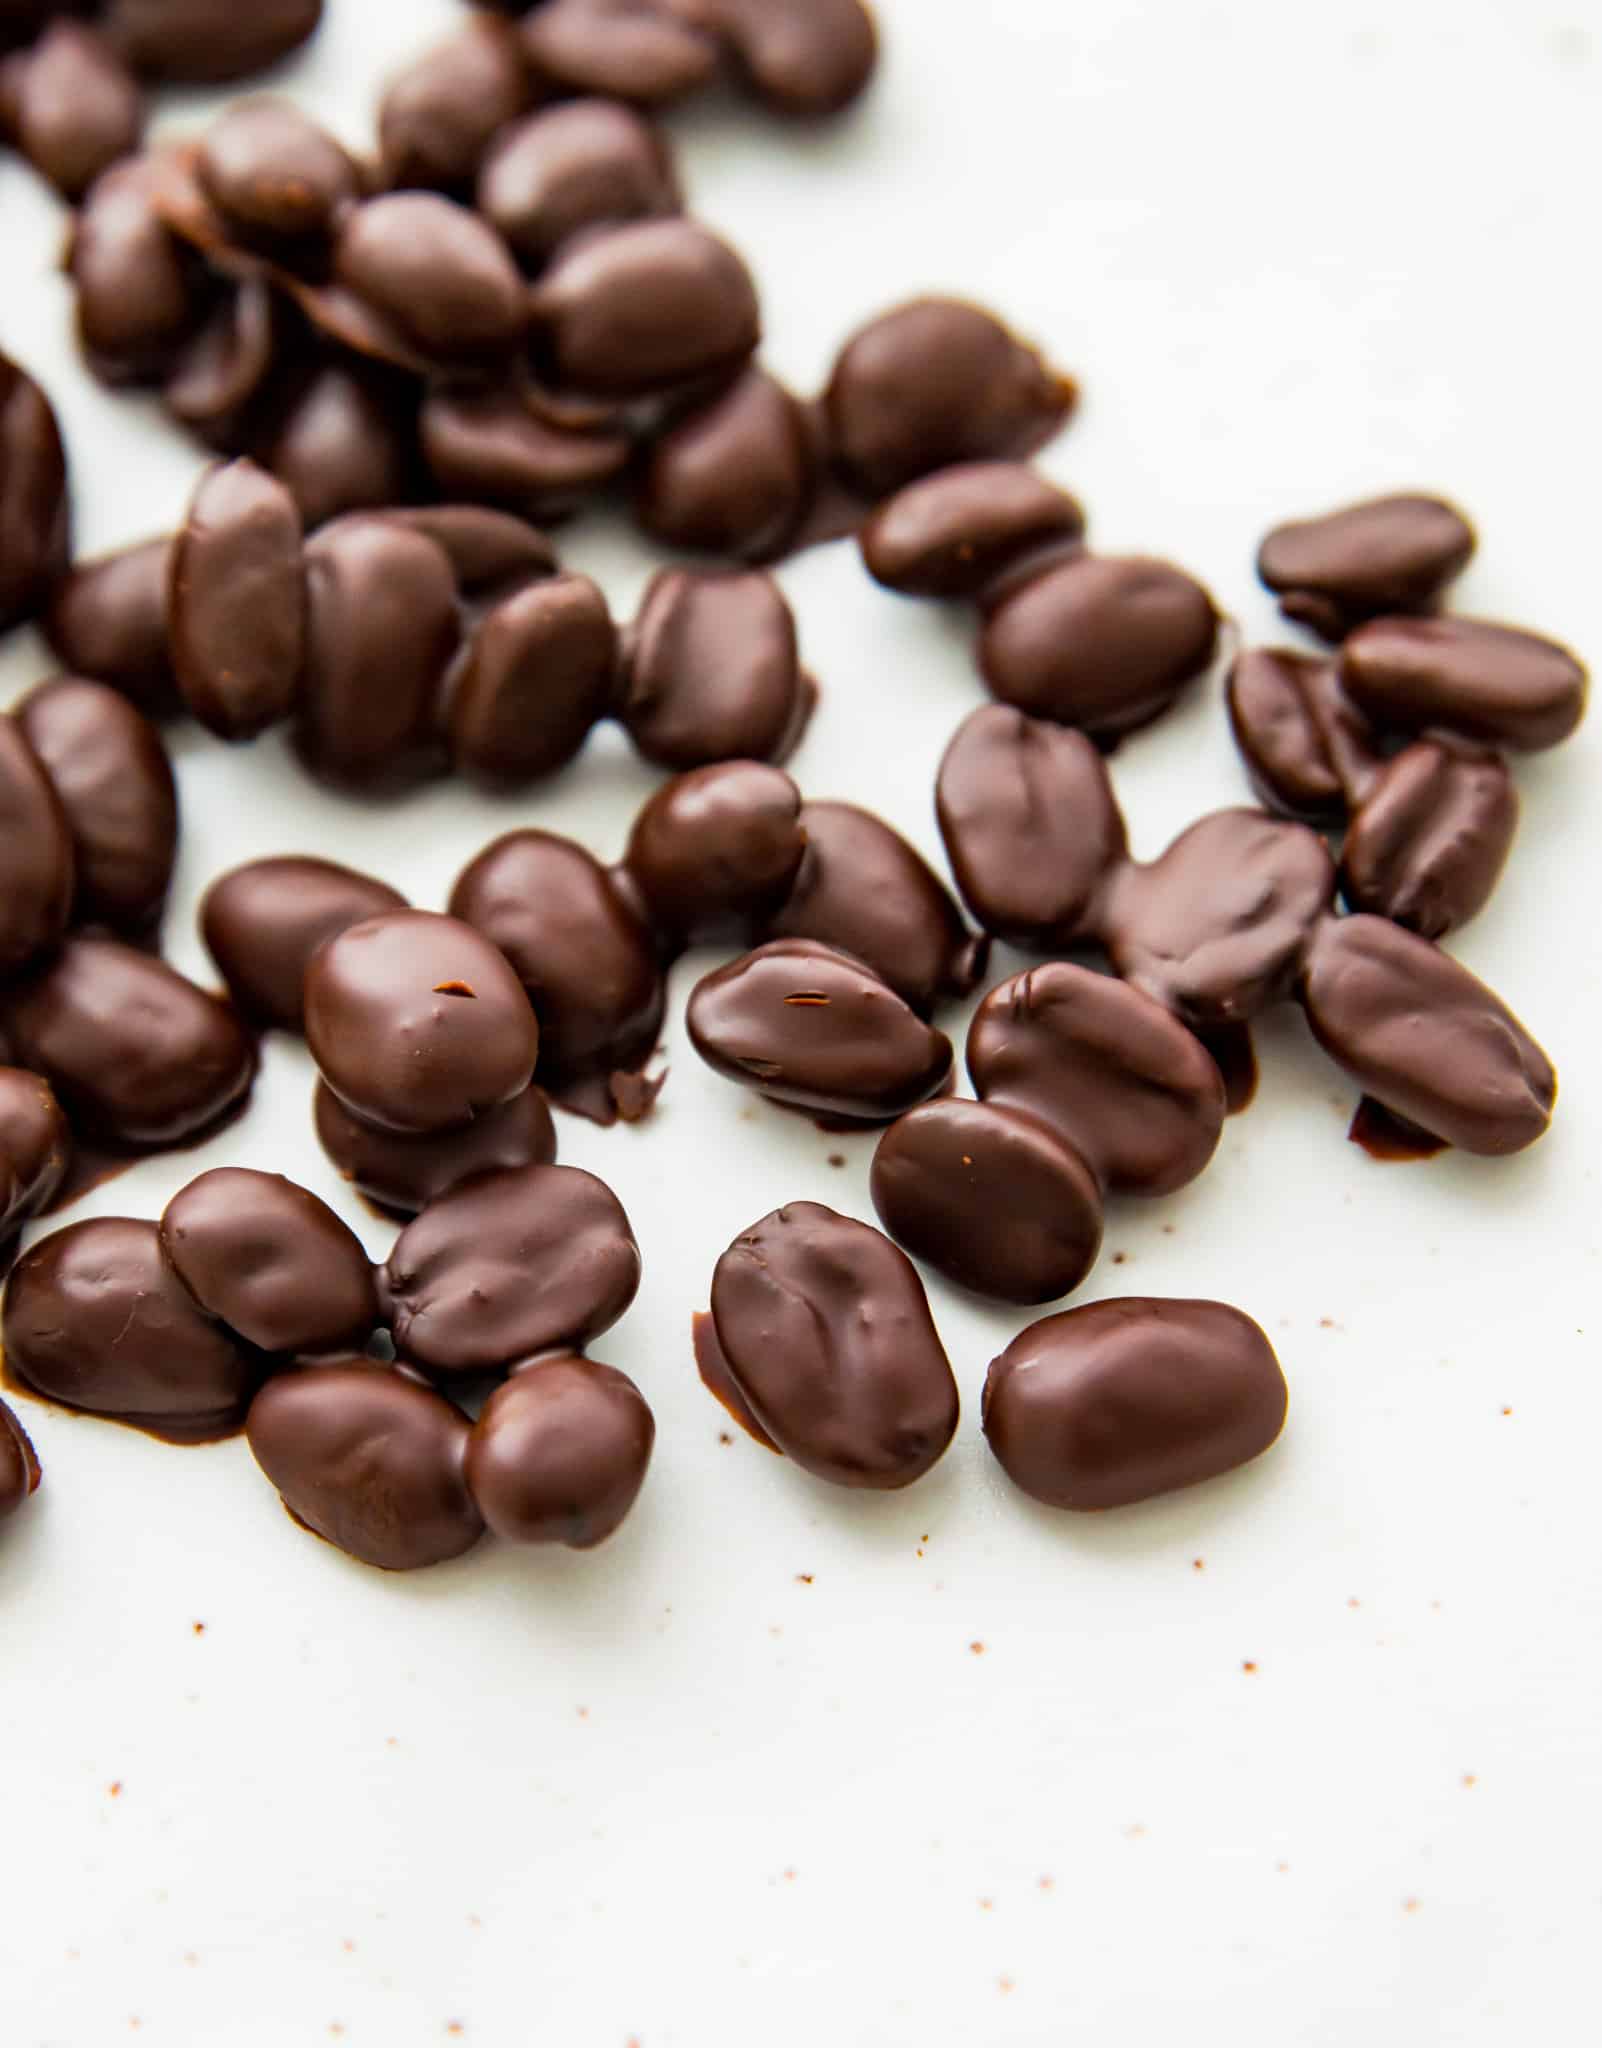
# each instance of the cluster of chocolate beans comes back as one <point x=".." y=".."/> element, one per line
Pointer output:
<point x="71" y="89"/>
<point x="819" y="1342"/>
<point x="251" y="1305"/>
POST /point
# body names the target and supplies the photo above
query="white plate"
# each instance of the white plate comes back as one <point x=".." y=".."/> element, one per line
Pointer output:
<point x="1307" y="1756"/>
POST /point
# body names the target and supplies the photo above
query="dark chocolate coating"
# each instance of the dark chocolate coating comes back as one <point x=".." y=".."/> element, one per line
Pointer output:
<point x="96" y="1319"/>
<point x="263" y="922"/>
<point x="110" y="772"/>
<point x="1496" y="684"/>
<point x="826" y="1333"/>
<point x="710" y="669"/>
<point x="1394" y="554"/>
<point x="198" y="42"/>
<point x="583" y="164"/>
<point x="533" y="679"/>
<point x="1424" y="1038"/>
<point x="417" y="1023"/>
<point x="108" y="619"/>
<point x="628" y="311"/>
<point x="492" y="553"/>
<point x="1123" y="1400"/>
<point x="136" y="289"/>
<point x="735" y="477"/>
<point x="1217" y="928"/>
<point x="271" y="1261"/>
<point x="1308" y="750"/>
<point x="954" y="533"/>
<point x="714" y="853"/>
<point x="342" y="444"/>
<point x="1032" y="828"/>
<point x="77" y="107"/>
<point x="439" y="115"/>
<point x="402" y="1175"/>
<point x="1134" y="1093"/>
<point x="236" y="602"/>
<point x="381" y="629"/>
<point x="36" y="854"/>
<point x="491" y="442"/>
<point x="936" y="382"/>
<point x="863" y="889"/>
<point x="507" y="1265"/>
<point x="1428" y="842"/>
<point x="1105" y="643"/>
<point x="560" y="1452"/>
<point x="35" y="1146"/>
<point x="990" y="1197"/>
<point x="621" y="49"/>
<point x="219" y="379"/>
<point x="368" y="1460"/>
<point x="19" y="1464"/>
<point x="34" y="509"/>
<point x="799" y="57"/>
<point x="137" y="1054"/>
<point x="441" y="274"/>
<point x="814" y="1028"/>
<point x="274" y="174"/>
<point x="578" y="946"/>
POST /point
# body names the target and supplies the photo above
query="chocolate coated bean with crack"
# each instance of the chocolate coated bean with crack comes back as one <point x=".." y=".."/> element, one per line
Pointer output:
<point x="1428" y="842"/>
<point x="1308" y="750"/>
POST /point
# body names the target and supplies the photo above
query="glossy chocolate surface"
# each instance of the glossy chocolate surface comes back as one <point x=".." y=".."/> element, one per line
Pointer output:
<point x="1496" y="684"/>
<point x="137" y="296"/>
<point x="401" y="1175"/>
<point x="955" y="533"/>
<point x="1308" y="750"/>
<point x="36" y="854"/>
<point x="1393" y="554"/>
<point x="1432" y="836"/>
<point x="19" y="1464"/>
<point x="75" y="107"/>
<point x="439" y="115"/>
<point x="34" y="507"/>
<point x="417" y="1022"/>
<point x="799" y="57"/>
<point x="221" y="378"/>
<point x="991" y="1197"/>
<point x="714" y="853"/>
<point x="198" y="42"/>
<point x="825" y="1330"/>
<point x="624" y="49"/>
<point x="1120" y="1401"/>
<point x="582" y="164"/>
<point x="711" y="670"/>
<point x="735" y="477"/>
<point x="263" y="922"/>
<point x="560" y="1452"/>
<point x="344" y="442"/>
<point x="108" y="620"/>
<point x="35" y="1146"/>
<point x="533" y="679"/>
<point x="507" y="1265"/>
<point x="434" y="270"/>
<point x="492" y="442"/>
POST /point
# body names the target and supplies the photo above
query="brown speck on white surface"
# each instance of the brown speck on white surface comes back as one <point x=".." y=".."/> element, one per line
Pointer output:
<point x="1120" y="1258"/>
<point x="1354" y="1602"/>
<point x="789" y="1875"/>
<point x="191" y="1958"/>
<point x="803" y="1578"/>
<point x="1048" y="1884"/>
<point x="1410" y="1905"/>
<point x="114" y="1789"/>
<point x="724" y="1437"/>
<point x="837" y="1159"/>
<point x="584" y="1713"/>
<point x="1507" y="1411"/>
<point x="1282" y="1868"/>
<point x="1198" y="1564"/>
<point x="349" y="1947"/>
<point x="1469" y="1781"/>
<point x="1249" y="1666"/>
<point x="976" y="1649"/>
<point x="1004" y="1985"/>
<point x="199" y="1628"/>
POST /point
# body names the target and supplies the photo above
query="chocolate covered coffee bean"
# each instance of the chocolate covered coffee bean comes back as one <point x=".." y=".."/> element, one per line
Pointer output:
<point x="533" y="679"/>
<point x="954" y="534"/>
<point x="196" y="42"/>
<point x="74" y="107"/>
<point x="401" y="1175"/>
<point x="559" y="1453"/>
<point x="583" y="164"/>
<point x="436" y="272"/>
<point x="19" y="1464"/>
<point x="1308" y="750"/>
<point x="623" y="49"/>
<point x="263" y="922"/>
<point x="138" y="296"/>
<point x="1495" y="684"/>
<point x="34" y="507"/>
<point x="1428" y="842"/>
<point x="735" y="477"/>
<point x="1385" y="555"/>
<point x="799" y="57"/>
<point x="495" y="443"/>
<point x="276" y="177"/>
<point x="37" y="869"/>
<point x="108" y="619"/>
<point x="35" y="1148"/>
<point x="714" y="853"/>
<point x="439" y="115"/>
<point x="236" y="602"/>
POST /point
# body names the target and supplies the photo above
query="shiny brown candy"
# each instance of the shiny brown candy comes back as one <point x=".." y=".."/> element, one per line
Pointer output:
<point x="108" y="619"/>
<point x="630" y="311"/>
<point x="441" y="113"/>
<point x="271" y="1261"/>
<point x="560" y="1452"/>
<point x="799" y="57"/>
<point x="35" y="517"/>
<point x="401" y="1175"/>
<point x="1428" y="842"/>
<point x="1496" y="684"/>
<point x="815" y="1029"/>
<point x="19" y="1464"/>
<point x="1424" y="1038"/>
<point x="1134" y="1093"/>
<point x="36" y="855"/>
<point x="582" y="952"/>
<point x="735" y="477"/>
<point x="990" y="1197"/>
<point x="1120" y="1401"/>
<point x="532" y="681"/>
<point x="508" y="1265"/>
<point x="381" y="629"/>
<point x="861" y="888"/>
<point x="439" y="273"/>
<point x="715" y="852"/>
<point x="1395" y="554"/>
<point x="493" y="443"/>
<point x="955" y="533"/>
<point x="824" y="1329"/>
<point x="137" y="1054"/>
<point x="933" y="383"/>
<point x="136" y="289"/>
<point x="220" y="377"/>
<point x="583" y="164"/>
<point x="274" y="175"/>
<point x="711" y="670"/>
<point x="236" y="603"/>
<point x="35" y="1146"/>
<point x="343" y="442"/>
<point x="1217" y="928"/>
<point x="1032" y="828"/>
<point x="623" y="49"/>
<point x="492" y="553"/>
<point x="76" y="107"/>
<point x="1309" y="751"/>
<point x="263" y="922"/>
<point x="1105" y="643"/>
<point x="368" y="1460"/>
<point x="417" y="1023"/>
<point x="197" y="42"/>
<point x="111" y="774"/>
<point x="95" y="1318"/>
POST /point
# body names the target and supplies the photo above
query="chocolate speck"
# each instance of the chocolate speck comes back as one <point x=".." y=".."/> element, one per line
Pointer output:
<point x="1048" y="1884"/>
<point x="978" y="1649"/>
<point x="1507" y="1411"/>
<point x="789" y="1875"/>
<point x="724" y="1437"/>
<point x="803" y="1578"/>
<point x="1354" y="1603"/>
<point x="1410" y="1905"/>
<point x="1119" y="1258"/>
<point x="837" y="1159"/>
<point x="987" y="1905"/>
<point x="1168" y="1230"/>
<point x="1469" y="1781"/>
<point x="349" y="1947"/>
<point x="1198" y="1564"/>
<point x="200" y="1628"/>
<point x="584" y="1713"/>
<point x="114" y="1789"/>
<point x="1004" y="1985"/>
<point x="1249" y="1666"/>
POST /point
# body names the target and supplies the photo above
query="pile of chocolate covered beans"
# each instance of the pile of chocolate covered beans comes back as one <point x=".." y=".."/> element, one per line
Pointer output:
<point x="501" y="318"/>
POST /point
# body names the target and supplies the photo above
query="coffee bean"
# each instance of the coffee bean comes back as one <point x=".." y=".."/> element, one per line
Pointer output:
<point x="275" y="175"/>
<point x="402" y="1175"/>
<point x="799" y="57"/>
<point x="585" y="164"/>
<point x="1309" y="751"/>
<point x="138" y="298"/>
<point x="441" y="113"/>
<point x="35" y="515"/>
<point x="438" y="272"/>
<point x="35" y="1147"/>
<point x="344" y="442"/>
<point x="1395" y="554"/>
<point x="236" y="603"/>
<point x="1495" y="684"/>
<point x="36" y="855"/>
<point x="714" y="853"/>
<point x="196" y="42"/>
<point x="533" y="679"/>
<point x="108" y="619"/>
<point x="1428" y="842"/>
<point x="77" y="107"/>
<point x="263" y="922"/>
<point x="734" y="477"/>
<point x="955" y="533"/>
<point x="560" y="1453"/>
<point x="621" y="49"/>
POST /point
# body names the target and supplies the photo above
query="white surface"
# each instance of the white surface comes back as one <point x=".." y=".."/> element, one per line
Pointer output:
<point x="672" y="1794"/>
